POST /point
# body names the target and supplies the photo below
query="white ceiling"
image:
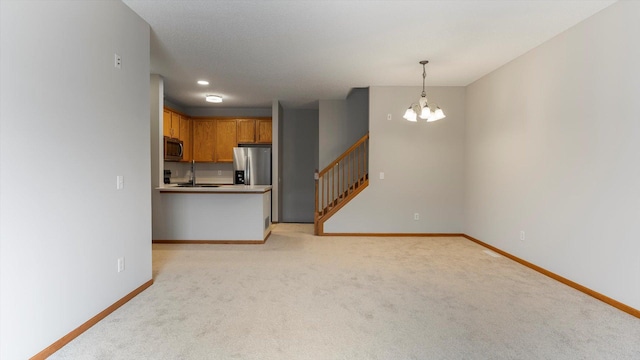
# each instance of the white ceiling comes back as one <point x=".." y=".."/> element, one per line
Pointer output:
<point x="256" y="51"/>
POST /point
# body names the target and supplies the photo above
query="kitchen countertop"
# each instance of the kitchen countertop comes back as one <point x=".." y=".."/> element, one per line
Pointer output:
<point x="221" y="189"/>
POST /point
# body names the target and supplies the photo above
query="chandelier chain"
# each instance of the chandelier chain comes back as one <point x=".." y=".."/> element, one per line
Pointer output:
<point x="424" y="76"/>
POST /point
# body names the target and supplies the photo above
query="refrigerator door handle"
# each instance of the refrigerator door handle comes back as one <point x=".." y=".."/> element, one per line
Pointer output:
<point x="247" y="169"/>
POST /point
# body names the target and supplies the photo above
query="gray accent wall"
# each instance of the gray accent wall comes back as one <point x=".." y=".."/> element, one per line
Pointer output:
<point x="358" y="115"/>
<point x="423" y="166"/>
<point x="341" y="124"/>
<point x="553" y="144"/>
<point x="299" y="161"/>
<point x="332" y="130"/>
<point x="276" y="157"/>
<point x="71" y="122"/>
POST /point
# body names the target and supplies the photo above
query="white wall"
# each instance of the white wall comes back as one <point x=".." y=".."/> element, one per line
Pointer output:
<point x="553" y="147"/>
<point x="423" y="165"/>
<point x="70" y="123"/>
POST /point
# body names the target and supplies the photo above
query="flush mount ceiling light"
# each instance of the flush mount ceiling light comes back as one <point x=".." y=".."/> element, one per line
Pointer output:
<point x="203" y="82"/>
<point x="214" y="98"/>
<point x="422" y="108"/>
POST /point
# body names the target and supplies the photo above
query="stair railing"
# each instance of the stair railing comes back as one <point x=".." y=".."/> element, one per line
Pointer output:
<point x="339" y="182"/>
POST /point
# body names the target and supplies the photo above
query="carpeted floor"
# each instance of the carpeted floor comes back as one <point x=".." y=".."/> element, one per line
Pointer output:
<point x="304" y="297"/>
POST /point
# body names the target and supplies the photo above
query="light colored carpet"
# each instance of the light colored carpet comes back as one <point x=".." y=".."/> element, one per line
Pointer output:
<point x="305" y="297"/>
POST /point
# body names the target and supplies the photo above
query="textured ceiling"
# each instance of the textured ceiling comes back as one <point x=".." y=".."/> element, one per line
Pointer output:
<point x="254" y="52"/>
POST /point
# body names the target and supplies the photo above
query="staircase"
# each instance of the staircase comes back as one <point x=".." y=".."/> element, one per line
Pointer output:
<point x="341" y="181"/>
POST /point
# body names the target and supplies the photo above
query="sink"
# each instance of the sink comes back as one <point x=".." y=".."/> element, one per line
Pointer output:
<point x="196" y="185"/>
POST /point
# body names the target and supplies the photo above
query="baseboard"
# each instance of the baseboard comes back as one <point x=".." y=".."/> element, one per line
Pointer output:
<point x="84" y="327"/>
<point x="626" y="308"/>
<point x="215" y="242"/>
<point x="395" y="234"/>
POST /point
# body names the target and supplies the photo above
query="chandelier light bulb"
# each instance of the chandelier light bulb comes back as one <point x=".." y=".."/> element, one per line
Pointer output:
<point x="425" y="113"/>
<point x="437" y="115"/>
<point x="410" y="115"/>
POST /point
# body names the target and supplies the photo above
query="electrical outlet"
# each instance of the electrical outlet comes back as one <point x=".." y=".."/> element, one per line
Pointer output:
<point x="119" y="182"/>
<point x="522" y="235"/>
<point x="219" y="172"/>
<point x="120" y="264"/>
<point x="117" y="61"/>
<point x="416" y="216"/>
<point x="381" y="176"/>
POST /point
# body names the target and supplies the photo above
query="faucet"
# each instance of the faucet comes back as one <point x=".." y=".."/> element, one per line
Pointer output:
<point x="193" y="173"/>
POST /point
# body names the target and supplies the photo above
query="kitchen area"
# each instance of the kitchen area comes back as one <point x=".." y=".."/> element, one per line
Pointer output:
<point x="217" y="182"/>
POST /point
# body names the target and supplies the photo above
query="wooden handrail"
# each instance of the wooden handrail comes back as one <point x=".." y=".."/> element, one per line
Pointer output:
<point x="344" y="154"/>
<point x="341" y="181"/>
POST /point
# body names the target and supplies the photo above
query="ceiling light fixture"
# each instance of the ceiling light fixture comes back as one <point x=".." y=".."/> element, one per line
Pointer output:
<point x="214" y="98"/>
<point x="422" y="108"/>
<point x="203" y="82"/>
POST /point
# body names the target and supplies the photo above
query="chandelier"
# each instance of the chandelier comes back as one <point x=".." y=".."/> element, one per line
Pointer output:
<point x="422" y="108"/>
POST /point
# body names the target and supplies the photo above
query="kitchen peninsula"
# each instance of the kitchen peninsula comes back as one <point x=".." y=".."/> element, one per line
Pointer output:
<point x="225" y="214"/>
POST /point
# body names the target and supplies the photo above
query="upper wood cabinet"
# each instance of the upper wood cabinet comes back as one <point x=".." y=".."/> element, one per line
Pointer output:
<point x="246" y="131"/>
<point x="185" y="136"/>
<point x="263" y="131"/>
<point x="226" y="140"/>
<point x="171" y="124"/>
<point x="204" y="140"/>
<point x="254" y="131"/>
<point x="166" y="123"/>
<point x="213" y="139"/>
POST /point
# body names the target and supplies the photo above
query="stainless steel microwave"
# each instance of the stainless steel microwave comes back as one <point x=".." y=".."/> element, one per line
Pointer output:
<point x="173" y="149"/>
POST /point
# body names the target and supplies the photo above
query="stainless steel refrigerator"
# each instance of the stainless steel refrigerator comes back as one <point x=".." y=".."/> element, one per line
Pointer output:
<point x="252" y="165"/>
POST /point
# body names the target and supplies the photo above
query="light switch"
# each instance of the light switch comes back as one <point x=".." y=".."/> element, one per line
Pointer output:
<point x="119" y="182"/>
<point x="388" y="116"/>
<point x="381" y="176"/>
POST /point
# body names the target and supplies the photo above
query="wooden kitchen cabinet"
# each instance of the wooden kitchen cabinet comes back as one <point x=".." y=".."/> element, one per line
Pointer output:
<point x="166" y="123"/>
<point x="226" y="140"/>
<point x="204" y="140"/>
<point x="246" y="131"/>
<point x="171" y="124"/>
<point x="263" y="131"/>
<point x="185" y="136"/>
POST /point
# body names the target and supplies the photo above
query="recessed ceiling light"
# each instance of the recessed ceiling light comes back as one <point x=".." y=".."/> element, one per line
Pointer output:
<point x="214" y="98"/>
<point x="203" y="82"/>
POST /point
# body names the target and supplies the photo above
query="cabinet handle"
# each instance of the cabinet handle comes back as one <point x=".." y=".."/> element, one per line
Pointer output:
<point x="181" y="149"/>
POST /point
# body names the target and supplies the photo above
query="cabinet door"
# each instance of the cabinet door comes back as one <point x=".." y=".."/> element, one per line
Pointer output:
<point x="204" y="137"/>
<point x="166" y="123"/>
<point x="225" y="140"/>
<point x="263" y="130"/>
<point x="175" y="125"/>
<point x="185" y="136"/>
<point x="246" y="131"/>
